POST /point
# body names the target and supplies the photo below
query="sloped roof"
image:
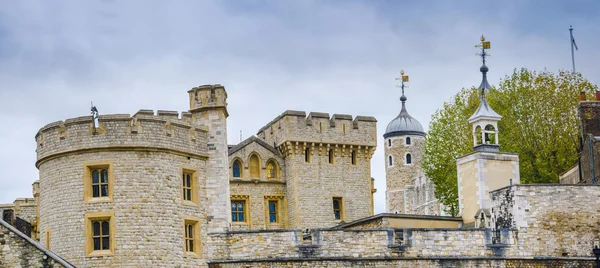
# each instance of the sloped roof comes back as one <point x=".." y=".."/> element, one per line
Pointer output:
<point x="250" y="140"/>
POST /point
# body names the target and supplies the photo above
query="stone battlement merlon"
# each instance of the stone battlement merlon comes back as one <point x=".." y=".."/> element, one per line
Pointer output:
<point x="166" y="130"/>
<point x="320" y="128"/>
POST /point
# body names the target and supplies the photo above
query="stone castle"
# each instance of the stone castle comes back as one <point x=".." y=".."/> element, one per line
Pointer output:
<point x="165" y="189"/>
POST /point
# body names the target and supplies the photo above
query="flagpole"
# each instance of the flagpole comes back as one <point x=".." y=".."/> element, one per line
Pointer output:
<point x="572" y="52"/>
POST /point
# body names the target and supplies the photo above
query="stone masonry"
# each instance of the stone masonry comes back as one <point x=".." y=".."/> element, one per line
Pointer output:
<point x="408" y="190"/>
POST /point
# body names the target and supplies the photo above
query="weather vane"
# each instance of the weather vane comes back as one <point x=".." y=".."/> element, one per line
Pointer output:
<point x="403" y="78"/>
<point x="484" y="69"/>
<point x="483" y="45"/>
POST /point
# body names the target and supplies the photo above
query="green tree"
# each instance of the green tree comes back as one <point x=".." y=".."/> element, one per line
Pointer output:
<point x="539" y="122"/>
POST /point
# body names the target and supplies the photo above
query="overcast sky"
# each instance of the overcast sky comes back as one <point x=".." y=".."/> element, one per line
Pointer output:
<point x="272" y="56"/>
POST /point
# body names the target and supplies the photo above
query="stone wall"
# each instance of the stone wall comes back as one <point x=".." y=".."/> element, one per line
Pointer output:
<point x="411" y="262"/>
<point x="17" y="252"/>
<point x="320" y="128"/>
<point x="408" y="191"/>
<point x="551" y="220"/>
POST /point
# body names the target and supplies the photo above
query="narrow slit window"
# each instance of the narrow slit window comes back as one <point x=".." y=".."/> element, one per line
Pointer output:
<point x="337" y="208"/>
<point x="354" y="158"/>
<point x="307" y="155"/>
<point x="389" y="142"/>
<point x="331" y="156"/>
<point x="189" y="237"/>
<point x="408" y="159"/>
<point x="187" y="186"/>
<point x="390" y="161"/>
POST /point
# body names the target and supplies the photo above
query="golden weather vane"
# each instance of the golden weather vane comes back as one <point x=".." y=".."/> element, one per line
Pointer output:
<point x="483" y="46"/>
<point x="403" y="78"/>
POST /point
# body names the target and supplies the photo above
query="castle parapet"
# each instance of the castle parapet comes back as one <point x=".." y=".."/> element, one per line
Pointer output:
<point x="163" y="131"/>
<point x="342" y="129"/>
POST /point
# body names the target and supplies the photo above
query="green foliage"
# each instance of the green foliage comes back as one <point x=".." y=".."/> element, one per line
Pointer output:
<point x="539" y="122"/>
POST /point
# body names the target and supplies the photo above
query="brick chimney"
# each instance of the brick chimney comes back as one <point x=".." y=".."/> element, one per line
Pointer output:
<point x="589" y="114"/>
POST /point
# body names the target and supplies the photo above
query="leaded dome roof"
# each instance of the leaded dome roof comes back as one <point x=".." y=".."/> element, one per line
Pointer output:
<point x="403" y="124"/>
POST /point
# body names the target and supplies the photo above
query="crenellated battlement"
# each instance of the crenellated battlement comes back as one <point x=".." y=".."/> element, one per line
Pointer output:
<point x="320" y="128"/>
<point x="145" y="130"/>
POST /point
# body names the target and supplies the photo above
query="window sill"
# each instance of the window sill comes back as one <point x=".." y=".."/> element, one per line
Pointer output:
<point x="191" y="255"/>
<point x="189" y="203"/>
<point x="239" y="223"/>
<point x="100" y="253"/>
<point x="98" y="200"/>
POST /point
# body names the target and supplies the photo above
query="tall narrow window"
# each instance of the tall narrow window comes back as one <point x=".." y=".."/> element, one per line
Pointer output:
<point x="273" y="211"/>
<point x="272" y="170"/>
<point x="237" y="211"/>
<point x="307" y="155"/>
<point x="390" y="161"/>
<point x="187" y="186"/>
<point x="354" y="158"/>
<point x="99" y="182"/>
<point x="254" y="166"/>
<point x="320" y="127"/>
<point x="191" y="232"/>
<point x="101" y="234"/>
<point x="408" y="159"/>
<point x="343" y="128"/>
<point x="389" y="142"/>
<point x="237" y="172"/>
<point x="337" y="208"/>
<point x="189" y="237"/>
<point x="331" y="156"/>
<point x="407" y="140"/>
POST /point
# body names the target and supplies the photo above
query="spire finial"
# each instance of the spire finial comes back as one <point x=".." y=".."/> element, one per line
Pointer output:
<point x="403" y="78"/>
<point x="484" y="69"/>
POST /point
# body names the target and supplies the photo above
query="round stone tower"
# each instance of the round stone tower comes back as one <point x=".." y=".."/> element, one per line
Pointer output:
<point x="404" y="148"/>
<point x="131" y="191"/>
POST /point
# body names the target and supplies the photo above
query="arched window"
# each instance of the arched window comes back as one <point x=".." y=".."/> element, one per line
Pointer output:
<point x="477" y="136"/>
<point x="331" y="156"/>
<point x="490" y="132"/>
<point x="407" y="140"/>
<point x="254" y="166"/>
<point x="389" y="142"/>
<point x="237" y="169"/>
<point x="390" y="161"/>
<point x="408" y="159"/>
<point x="272" y="170"/>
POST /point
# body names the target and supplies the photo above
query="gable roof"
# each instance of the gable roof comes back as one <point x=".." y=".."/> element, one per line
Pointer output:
<point x="250" y="140"/>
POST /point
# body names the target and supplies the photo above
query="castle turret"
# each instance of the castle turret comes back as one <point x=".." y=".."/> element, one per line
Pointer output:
<point x="208" y="105"/>
<point x="486" y="169"/>
<point x="404" y="148"/>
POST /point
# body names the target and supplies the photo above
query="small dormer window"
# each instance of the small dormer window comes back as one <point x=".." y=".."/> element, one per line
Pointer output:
<point x="407" y="140"/>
